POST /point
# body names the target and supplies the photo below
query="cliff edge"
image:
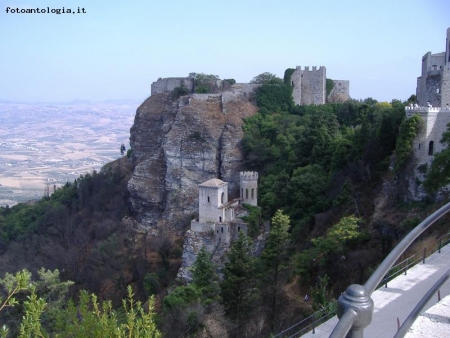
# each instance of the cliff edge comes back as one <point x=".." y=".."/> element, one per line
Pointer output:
<point x="178" y="144"/>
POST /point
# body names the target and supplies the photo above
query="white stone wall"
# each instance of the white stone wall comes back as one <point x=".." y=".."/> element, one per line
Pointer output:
<point x="222" y="233"/>
<point x="202" y="227"/>
<point x="435" y="122"/>
<point x="209" y="201"/>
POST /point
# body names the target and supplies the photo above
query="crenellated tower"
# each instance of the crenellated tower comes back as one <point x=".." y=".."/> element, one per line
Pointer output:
<point x="309" y="85"/>
<point x="249" y="187"/>
<point x="433" y="86"/>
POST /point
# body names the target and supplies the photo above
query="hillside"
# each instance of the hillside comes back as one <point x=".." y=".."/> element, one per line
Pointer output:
<point x="327" y="173"/>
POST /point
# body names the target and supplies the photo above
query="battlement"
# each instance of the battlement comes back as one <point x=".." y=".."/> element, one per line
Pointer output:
<point x="248" y="175"/>
<point x="170" y="83"/>
<point x="410" y="110"/>
<point x="314" y="69"/>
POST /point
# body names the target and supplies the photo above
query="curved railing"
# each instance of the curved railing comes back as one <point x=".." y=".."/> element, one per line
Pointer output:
<point x="310" y="323"/>
<point x="355" y="307"/>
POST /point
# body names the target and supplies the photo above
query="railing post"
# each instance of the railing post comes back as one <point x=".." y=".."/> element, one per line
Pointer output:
<point x="424" y="252"/>
<point x="314" y="323"/>
<point x="406" y="266"/>
<point x="440" y="244"/>
<point x="356" y="299"/>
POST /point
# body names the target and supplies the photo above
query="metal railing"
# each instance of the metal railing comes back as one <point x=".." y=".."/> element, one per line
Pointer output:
<point x="321" y="316"/>
<point x="355" y="307"/>
<point x="309" y="323"/>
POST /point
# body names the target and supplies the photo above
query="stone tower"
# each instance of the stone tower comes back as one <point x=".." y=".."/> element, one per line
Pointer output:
<point x="309" y="85"/>
<point x="212" y="195"/>
<point x="249" y="187"/>
<point x="434" y="83"/>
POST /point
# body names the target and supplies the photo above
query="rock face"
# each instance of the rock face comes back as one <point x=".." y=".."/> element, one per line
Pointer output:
<point x="178" y="144"/>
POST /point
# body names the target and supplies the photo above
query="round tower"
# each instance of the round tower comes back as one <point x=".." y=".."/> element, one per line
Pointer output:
<point x="249" y="187"/>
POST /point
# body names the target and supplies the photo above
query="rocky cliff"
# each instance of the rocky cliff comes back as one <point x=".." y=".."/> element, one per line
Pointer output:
<point x="178" y="144"/>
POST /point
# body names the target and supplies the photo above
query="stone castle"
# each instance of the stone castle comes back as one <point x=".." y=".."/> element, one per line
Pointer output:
<point x="433" y="101"/>
<point x="309" y="87"/>
<point x="220" y="221"/>
<point x="219" y="216"/>
<point x="433" y="86"/>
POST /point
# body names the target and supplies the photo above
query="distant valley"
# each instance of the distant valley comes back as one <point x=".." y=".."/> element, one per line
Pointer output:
<point x="43" y="145"/>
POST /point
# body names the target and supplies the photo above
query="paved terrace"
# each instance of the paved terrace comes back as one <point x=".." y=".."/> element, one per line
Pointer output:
<point x="400" y="297"/>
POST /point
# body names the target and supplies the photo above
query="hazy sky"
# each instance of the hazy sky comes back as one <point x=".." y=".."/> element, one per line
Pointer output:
<point x="119" y="47"/>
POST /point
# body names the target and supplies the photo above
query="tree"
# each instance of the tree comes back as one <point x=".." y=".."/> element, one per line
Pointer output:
<point x="238" y="286"/>
<point x="266" y="78"/>
<point x="204" y="275"/>
<point x="408" y="131"/>
<point x="275" y="258"/>
<point x="323" y="247"/>
<point x="204" y="83"/>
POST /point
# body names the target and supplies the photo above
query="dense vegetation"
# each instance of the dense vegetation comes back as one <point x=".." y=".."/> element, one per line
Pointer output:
<point x="320" y="167"/>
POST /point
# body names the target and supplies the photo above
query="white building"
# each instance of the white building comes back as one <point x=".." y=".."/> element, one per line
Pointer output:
<point x="220" y="216"/>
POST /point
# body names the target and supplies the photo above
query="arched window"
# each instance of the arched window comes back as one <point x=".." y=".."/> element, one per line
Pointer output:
<point x="246" y="194"/>
<point x="208" y="199"/>
<point x="430" y="148"/>
<point x="220" y="220"/>
<point x="253" y="193"/>
<point x="221" y="197"/>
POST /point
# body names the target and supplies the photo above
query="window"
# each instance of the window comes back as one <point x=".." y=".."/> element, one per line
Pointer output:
<point x="221" y="229"/>
<point x="246" y="194"/>
<point x="253" y="193"/>
<point x="242" y="192"/>
<point x="419" y="146"/>
<point x="220" y="220"/>
<point x="208" y="199"/>
<point x="430" y="148"/>
<point x="221" y="197"/>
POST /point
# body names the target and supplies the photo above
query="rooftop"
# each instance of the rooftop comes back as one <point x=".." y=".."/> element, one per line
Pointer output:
<point x="214" y="182"/>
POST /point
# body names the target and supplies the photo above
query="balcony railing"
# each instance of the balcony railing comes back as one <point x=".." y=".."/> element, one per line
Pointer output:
<point x="387" y="271"/>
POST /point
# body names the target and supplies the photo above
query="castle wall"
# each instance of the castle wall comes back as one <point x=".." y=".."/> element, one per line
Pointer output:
<point x="222" y="233"/>
<point x="296" y="81"/>
<point x="426" y="144"/>
<point x="202" y="226"/>
<point x="313" y="86"/>
<point x="170" y="83"/>
<point x="236" y="228"/>
<point x="209" y="201"/>
<point x="340" y="91"/>
<point x="445" y="86"/>
<point x="309" y="85"/>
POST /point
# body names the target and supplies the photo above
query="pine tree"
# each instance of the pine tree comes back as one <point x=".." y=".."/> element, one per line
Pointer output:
<point x="204" y="275"/>
<point x="274" y="258"/>
<point x="238" y="287"/>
